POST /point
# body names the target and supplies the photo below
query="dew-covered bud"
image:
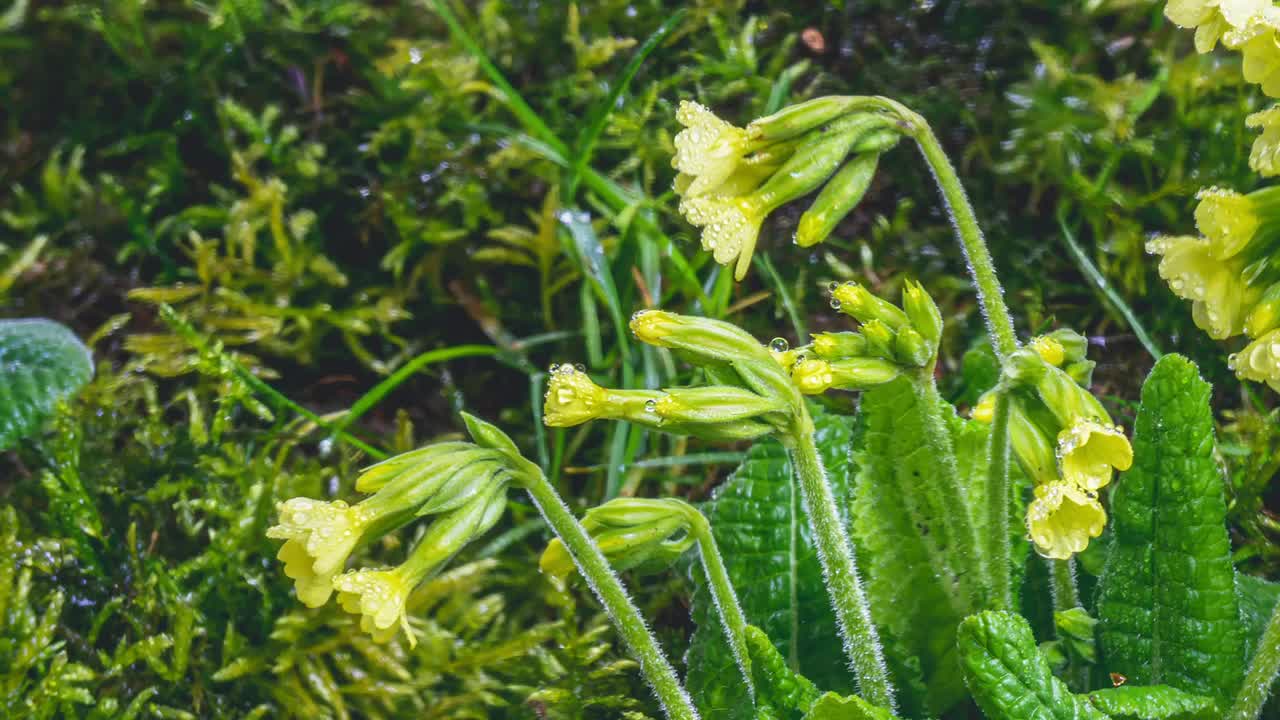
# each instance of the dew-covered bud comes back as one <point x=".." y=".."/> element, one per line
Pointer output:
<point x="573" y="398"/>
<point x="880" y="339"/>
<point x="862" y="373"/>
<point x="859" y="303"/>
<point x="813" y="376"/>
<point x="838" y="198"/>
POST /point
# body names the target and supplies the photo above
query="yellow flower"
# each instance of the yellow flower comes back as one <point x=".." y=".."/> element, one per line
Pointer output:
<point x="319" y="537"/>
<point x="1259" y="360"/>
<point x="730" y="227"/>
<point x="1257" y="42"/>
<point x="1264" y="158"/>
<point x="572" y="397"/>
<point x="1062" y="519"/>
<point x="708" y="149"/>
<point x="1088" y="450"/>
<point x="1050" y="350"/>
<point x="1232" y="220"/>
<point x="1213" y="18"/>
<point x="984" y="411"/>
<point x="1220" y="298"/>
<point x="379" y="598"/>
<point x="813" y="376"/>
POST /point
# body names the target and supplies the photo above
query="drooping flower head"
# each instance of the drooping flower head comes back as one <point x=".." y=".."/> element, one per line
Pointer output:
<point x="319" y="537"/>
<point x="632" y="533"/>
<point x="1220" y="297"/>
<point x="1089" y="450"/>
<point x="1063" y="519"/>
<point x="708" y="149"/>
<point x="730" y="227"/>
<point x="380" y="597"/>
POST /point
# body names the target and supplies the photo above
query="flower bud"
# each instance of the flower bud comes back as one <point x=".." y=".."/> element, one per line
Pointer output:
<point x="923" y="313"/>
<point x="837" y="199"/>
<point x="1024" y="367"/>
<point x="862" y="373"/>
<point x="1032" y="445"/>
<point x="857" y="302"/>
<point x="799" y="118"/>
<point x="1074" y="345"/>
<point x="1081" y="372"/>
<point x="632" y="533"/>
<point x="1049" y="350"/>
<point x="910" y="348"/>
<point x="814" y="161"/>
<point x="834" y="345"/>
<point x="573" y="398"/>
<point x="714" y="404"/>
<point x="813" y="376"/>
<point x="877" y="142"/>
<point x="984" y="411"/>
<point x="880" y="339"/>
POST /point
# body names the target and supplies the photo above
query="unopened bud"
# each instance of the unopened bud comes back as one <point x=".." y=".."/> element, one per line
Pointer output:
<point x="714" y="404"/>
<point x="880" y="339"/>
<point x="1265" y="316"/>
<point x="834" y="345"/>
<point x="837" y="199"/>
<point x="799" y="119"/>
<point x="923" y="313"/>
<point x="859" y="303"/>
<point x="911" y="348"/>
<point x="862" y="373"/>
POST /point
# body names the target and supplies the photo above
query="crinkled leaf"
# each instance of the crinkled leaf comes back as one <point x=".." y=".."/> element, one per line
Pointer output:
<point x="1007" y="675"/>
<point x="904" y="551"/>
<point x="1152" y="702"/>
<point x="765" y="539"/>
<point x="1167" y="605"/>
<point x="41" y="363"/>
<point x="848" y="707"/>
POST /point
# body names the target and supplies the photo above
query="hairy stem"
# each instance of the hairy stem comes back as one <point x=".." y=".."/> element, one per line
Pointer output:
<point x="726" y="600"/>
<point x="1065" y="594"/>
<point x="626" y="618"/>
<point x="966" y="562"/>
<point x="997" y="515"/>
<point x="1261" y="673"/>
<point x="841" y="572"/>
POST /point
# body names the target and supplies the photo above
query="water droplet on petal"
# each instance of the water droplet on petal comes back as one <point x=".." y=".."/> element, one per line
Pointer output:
<point x="779" y="345"/>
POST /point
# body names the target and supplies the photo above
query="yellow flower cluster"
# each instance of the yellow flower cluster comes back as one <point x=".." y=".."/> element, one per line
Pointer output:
<point x="731" y="178"/>
<point x="461" y="483"/>
<point x="1064" y="440"/>
<point x="1230" y="275"/>
<point x="1251" y="27"/>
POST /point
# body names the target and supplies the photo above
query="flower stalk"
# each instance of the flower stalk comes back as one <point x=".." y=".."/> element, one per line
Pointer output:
<point x="1261" y="673"/>
<point x="861" y="640"/>
<point x="608" y="589"/>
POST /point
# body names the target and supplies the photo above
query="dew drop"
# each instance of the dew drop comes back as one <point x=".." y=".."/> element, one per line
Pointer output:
<point x="580" y="367"/>
<point x="651" y="405"/>
<point x="779" y="345"/>
<point x="835" y="304"/>
<point x="833" y="286"/>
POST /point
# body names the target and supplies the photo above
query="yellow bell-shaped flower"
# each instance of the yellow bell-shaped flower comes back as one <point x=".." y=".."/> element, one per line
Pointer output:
<point x="319" y="537"/>
<point x="708" y="150"/>
<point x="1220" y="298"/>
<point x="1259" y="360"/>
<point x="1063" y="519"/>
<point x="379" y="598"/>
<point x="730" y="227"/>
<point x="1089" y="450"/>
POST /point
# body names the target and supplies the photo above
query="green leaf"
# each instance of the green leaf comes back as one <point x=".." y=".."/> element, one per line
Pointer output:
<point x="850" y="707"/>
<point x="904" y="551"/>
<point x="1167" y="605"/>
<point x="765" y="539"/>
<point x="1152" y="702"/>
<point x="41" y="363"/>
<point x="1258" y="598"/>
<point x="1009" y="678"/>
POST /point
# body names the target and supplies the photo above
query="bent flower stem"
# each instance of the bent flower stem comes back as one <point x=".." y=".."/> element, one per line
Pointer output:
<point x="608" y="589"/>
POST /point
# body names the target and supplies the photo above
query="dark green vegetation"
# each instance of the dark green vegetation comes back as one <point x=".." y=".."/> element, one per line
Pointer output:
<point x="330" y="189"/>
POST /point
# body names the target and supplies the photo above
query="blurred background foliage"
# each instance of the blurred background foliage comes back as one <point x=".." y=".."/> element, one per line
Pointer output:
<point x="391" y="211"/>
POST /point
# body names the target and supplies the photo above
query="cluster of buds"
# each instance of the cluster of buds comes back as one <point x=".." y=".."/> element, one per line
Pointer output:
<point x="1063" y="439"/>
<point x="731" y="178"/>
<point x="889" y="341"/>
<point x="751" y="394"/>
<point x="1231" y="275"/>
<point x="633" y="533"/>
<point x="463" y="485"/>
